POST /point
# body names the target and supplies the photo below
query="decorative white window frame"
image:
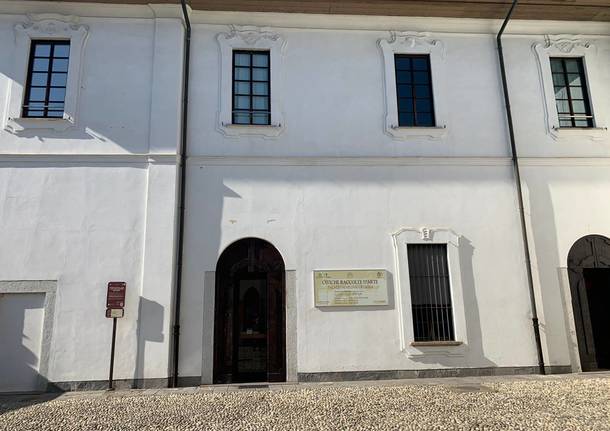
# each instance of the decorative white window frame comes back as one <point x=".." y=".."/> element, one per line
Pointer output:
<point x="403" y="288"/>
<point x="570" y="46"/>
<point x="45" y="27"/>
<point x="250" y="38"/>
<point x="414" y="43"/>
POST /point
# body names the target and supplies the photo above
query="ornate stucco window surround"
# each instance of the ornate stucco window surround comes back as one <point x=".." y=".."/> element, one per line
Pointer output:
<point x="414" y="43"/>
<point x="45" y="27"/>
<point x="571" y="46"/>
<point x="250" y="38"/>
<point x="403" y="292"/>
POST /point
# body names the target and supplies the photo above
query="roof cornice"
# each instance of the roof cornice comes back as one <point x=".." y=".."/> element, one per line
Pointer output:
<point x="302" y="20"/>
<point x="577" y="10"/>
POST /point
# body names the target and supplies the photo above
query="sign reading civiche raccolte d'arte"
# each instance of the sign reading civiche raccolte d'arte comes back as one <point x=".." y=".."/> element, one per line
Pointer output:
<point x="350" y="288"/>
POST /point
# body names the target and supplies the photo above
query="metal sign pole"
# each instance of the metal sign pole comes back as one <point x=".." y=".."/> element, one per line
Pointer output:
<point x="115" y="301"/>
<point x="110" y="387"/>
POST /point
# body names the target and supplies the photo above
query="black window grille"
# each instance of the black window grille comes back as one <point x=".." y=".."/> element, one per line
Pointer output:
<point x="251" y="87"/>
<point x="571" y="95"/>
<point x="45" y="92"/>
<point x="414" y="90"/>
<point x="430" y="292"/>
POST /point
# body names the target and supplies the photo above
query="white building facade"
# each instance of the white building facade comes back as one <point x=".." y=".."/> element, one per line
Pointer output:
<point x="334" y="174"/>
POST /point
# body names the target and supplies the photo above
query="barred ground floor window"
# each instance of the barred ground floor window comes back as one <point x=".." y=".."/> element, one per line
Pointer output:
<point x="430" y="292"/>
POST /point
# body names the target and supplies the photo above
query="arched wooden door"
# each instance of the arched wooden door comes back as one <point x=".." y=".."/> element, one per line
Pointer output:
<point x="249" y="331"/>
<point x="589" y="273"/>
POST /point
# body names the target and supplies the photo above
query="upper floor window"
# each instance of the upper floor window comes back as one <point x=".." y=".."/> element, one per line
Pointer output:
<point x="430" y="292"/>
<point x="47" y="79"/>
<point x="414" y="90"/>
<point x="571" y="94"/>
<point x="251" y="88"/>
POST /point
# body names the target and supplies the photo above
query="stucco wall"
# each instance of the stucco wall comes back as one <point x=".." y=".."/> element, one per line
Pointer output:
<point x="565" y="202"/>
<point x="565" y="179"/>
<point x="341" y="115"/>
<point x="82" y="226"/>
<point x="112" y="50"/>
<point x="333" y="98"/>
<point x="343" y="217"/>
<point x="527" y="98"/>
<point x="96" y="202"/>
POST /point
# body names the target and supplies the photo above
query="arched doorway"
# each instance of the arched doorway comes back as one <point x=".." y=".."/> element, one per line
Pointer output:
<point x="249" y="318"/>
<point x="589" y="273"/>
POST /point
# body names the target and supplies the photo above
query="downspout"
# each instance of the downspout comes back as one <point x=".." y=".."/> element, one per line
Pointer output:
<point x="181" y="193"/>
<point x="515" y="162"/>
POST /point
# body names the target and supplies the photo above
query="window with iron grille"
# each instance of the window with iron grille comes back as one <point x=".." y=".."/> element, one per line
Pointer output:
<point x="414" y="90"/>
<point x="571" y="95"/>
<point x="251" y="87"/>
<point x="47" y="79"/>
<point x="430" y="292"/>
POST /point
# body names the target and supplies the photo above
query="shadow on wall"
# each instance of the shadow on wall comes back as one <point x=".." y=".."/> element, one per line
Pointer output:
<point x="208" y="192"/>
<point x="545" y="247"/>
<point x="202" y="226"/>
<point x="150" y="329"/>
<point x="474" y="352"/>
<point x="96" y="122"/>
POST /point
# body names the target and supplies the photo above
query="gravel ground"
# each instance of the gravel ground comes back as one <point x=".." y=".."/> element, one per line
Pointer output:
<point x="559" y="404"/>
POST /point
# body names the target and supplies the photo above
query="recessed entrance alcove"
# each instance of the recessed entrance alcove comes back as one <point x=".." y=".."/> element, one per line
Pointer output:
<point x="589" y="275"/>
<point x="250" y="314"/>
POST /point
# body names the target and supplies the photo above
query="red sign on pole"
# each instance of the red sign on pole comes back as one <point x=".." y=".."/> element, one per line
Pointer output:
<point x="115" y="297"/>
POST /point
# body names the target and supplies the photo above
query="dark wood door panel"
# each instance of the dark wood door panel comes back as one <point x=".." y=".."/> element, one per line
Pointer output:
<point x="249" y="334"/>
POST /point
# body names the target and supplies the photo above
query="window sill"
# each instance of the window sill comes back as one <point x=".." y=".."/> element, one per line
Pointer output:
<point x="435" y="343"/>
<point x="594" y="133"/>
<point x="265" y="131"/>
<point x="416" y="349"/>
<point x="405" y="133"/>
<point x="16" y="125"/>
